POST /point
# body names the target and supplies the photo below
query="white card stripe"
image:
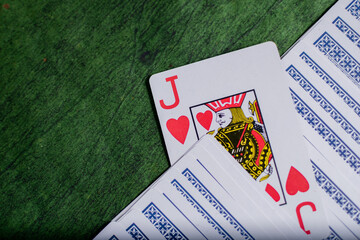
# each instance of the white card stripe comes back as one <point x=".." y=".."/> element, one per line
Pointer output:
<point x="324" y="103"/>
<point x="329" y="136"/>
<point x="342" y="93"/>
<point x="215" y="203"/>
<point x="184" y="215"/>
<point x="190" y="199"/>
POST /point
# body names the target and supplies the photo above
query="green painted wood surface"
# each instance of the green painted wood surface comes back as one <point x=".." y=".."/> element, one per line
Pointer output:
<point x="79" y="137"/>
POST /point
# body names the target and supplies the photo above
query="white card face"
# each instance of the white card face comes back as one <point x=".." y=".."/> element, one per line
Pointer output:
<point x="323" y="72"/>
<point x="220" y="80"/>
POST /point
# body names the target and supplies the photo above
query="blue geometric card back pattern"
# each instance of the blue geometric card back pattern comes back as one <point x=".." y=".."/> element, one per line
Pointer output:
<point x="162" y="223"/>
<point x="337" y="195"/>
<point x="335" y="86"/>
<point x="350" y="33"/>
<point x="324" y="103"/>
<point x="210" y="220"/>
<point x="333" y="235"/>
<point x="136" y="233"/>
<point x="113" y="237"/>
<point x="339" y="56"/>
<point x="354" y="9"/>
<point x="328" y="135"/>
<point x="215" y="203"/>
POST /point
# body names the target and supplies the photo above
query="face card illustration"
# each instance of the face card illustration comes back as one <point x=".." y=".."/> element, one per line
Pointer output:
<point x="236" y="122"/>
<point x="174" y="91"/>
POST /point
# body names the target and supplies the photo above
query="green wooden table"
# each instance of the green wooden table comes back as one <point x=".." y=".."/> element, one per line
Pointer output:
<point x="79" y="136"/>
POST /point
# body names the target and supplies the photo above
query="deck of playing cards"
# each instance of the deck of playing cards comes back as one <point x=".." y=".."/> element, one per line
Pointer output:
<point x="240" y="164"/>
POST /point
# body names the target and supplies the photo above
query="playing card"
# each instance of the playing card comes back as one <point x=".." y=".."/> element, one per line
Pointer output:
<point x="196" y="202"/>
<point x="246" y="140"/>
<point x="326" y="125"/>
<point x="226" y="77"/>
<point x="325" y="89"/>
<point x="138" y="197"/>
<point x="250" y="113"/>
<point x="338" y="230"/>
<point x="338" y="194"/>
<point x="234" y="107"/>
<point x="193" y="179"/>
<point x="336" y="38"/>
<point x="323" y="69"/>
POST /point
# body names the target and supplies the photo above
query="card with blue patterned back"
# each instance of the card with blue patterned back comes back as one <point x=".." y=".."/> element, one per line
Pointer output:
<point x="233" y="206"/>
<point x="133" y="225"/>
<point x="323" y="71"/>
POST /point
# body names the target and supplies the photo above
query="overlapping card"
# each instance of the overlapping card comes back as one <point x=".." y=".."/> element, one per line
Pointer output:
<point x="243" y="158"/>
<point x="323" y="71"/>
<point x="196" y="199"/>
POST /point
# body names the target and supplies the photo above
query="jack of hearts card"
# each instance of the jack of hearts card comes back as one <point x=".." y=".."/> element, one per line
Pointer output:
<point x="242" y="99"/>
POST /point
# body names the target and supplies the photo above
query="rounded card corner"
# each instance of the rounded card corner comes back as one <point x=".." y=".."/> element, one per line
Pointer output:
<point x="152" y="79"/>
<point x="272" y="43"/>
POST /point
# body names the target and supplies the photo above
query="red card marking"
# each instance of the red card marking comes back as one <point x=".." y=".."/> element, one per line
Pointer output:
<point x="260" y="141"/>
<point x="205" y="119"/>
<point x="259" y="114"/>
<point x="296" y="182"/>
<point x="242" y="135"/>
<point x="298" y="214"/>
<point x="178" y="128"/>
<point x="176" y="95"/>
<point x="272" y="192"/>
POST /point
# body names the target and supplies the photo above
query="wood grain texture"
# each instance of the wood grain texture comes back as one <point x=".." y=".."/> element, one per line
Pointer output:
<point x="79" y="137"/>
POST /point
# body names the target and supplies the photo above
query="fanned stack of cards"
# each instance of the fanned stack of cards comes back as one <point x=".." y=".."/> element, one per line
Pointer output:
<point x="205" y="195"/>
<point x="242" y="162"/>
<point x="323" y="70"/>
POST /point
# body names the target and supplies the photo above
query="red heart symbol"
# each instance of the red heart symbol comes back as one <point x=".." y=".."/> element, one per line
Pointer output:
<point x="178" y="128"/>
<point x="296" y="182"/>
<point x="205" y="119"/>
